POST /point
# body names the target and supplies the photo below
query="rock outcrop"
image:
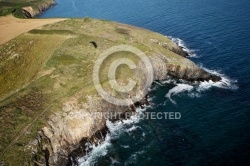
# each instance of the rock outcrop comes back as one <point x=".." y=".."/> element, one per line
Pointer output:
<point x="55" y="73"/>
<point x="68" y="131"/>
<point x="187" y="70"/>
<point x="32" y="11"/>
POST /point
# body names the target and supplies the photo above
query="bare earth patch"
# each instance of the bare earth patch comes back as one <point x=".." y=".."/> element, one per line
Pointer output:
<point x="11" y="27"/>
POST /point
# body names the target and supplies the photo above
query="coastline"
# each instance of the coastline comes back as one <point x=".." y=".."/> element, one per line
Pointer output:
<point x="31" y="12"/>
<point x="22" y="9"/>
<point x="213" y="124"/>
<point x="183" y="69"/>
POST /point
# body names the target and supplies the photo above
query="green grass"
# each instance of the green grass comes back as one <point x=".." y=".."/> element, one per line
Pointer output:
<point x="23" y="58"/>
<point x="49" y="65"/>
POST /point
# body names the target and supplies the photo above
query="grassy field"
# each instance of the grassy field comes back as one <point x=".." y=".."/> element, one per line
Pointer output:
<point x="42" y="69"/>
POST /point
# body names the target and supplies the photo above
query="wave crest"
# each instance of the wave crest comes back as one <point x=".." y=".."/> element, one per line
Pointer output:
<point x="115" y="130"/>
<point x="195" y="89"/>
<point x="182" y="44"/>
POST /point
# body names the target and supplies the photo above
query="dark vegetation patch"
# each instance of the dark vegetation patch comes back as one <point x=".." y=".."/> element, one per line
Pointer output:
<point x="122" y="31"/>
<point x="51" y="32"/>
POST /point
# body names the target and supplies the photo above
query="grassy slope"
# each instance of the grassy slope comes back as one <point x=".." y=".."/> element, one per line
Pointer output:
<point x="46" y="66"/>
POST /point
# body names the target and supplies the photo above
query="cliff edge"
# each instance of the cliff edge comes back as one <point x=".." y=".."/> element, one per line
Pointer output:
<point x="25" y="9"/>
<point x="47" y="93"/>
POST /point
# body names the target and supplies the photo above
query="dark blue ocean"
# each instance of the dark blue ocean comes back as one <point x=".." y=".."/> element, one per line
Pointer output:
<point x="215" y="125"/>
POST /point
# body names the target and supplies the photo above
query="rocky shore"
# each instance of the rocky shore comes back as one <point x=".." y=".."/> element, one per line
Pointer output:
<point x="65" y="149"/>
<point x="32" y="11"/>
<point x="53" y="85"/>
<point x="25" y="9"/>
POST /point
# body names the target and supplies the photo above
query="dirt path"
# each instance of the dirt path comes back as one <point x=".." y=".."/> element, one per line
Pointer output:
<point x="23" y="131"/>
<point x="11" y="27"/>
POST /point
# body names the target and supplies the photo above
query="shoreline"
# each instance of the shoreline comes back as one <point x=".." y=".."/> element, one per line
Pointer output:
<point x="100" y="135"/>
<point x="65" y="144"/>
<point x="22" y="9"/>
<point x="32" y="12"/>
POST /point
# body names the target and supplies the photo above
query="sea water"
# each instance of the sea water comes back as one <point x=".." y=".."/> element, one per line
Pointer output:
<point x="214" y="128"/>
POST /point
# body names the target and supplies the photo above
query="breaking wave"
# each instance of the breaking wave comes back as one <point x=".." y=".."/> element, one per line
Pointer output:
<point x="183" y="45"/>
<point x="115" y="130"/>
<point x="195" y="89"/>
<point x="178" y="89"/>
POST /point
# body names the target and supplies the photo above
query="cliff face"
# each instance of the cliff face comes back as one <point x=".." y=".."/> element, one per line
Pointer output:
<point x="32" y="11"/>
<point x="24" y="8"/>
<point x="187" y="70"/>
<point x="54" y="94"/>
<point x="68" y="135"/>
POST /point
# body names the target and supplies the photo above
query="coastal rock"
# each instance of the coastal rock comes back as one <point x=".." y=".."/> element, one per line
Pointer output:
<point x="68" y="131"/>
<point x="78" y="123"/>
<point x="173" y="47"/>
<point x="53" y="77"/>
<point x="31" y="12"/>
<point x="187" y="70"/>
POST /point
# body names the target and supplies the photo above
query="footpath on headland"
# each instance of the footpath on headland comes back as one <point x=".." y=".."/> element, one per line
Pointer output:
<point x="12" y="27"/>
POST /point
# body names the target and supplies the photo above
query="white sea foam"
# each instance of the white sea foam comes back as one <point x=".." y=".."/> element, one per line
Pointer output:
<point x="178" y="89"/>
<point x="125" y="146"/>
<point x="115" y="129"/>
<point x="133" y="128"/>
<point x="97" y="151"/>
<point x="169" y="81"/>
<point x="225" y="83"/>
<point x="159" y="83"/>
<point x="133" y="157"/>
<point x="129" y="125"/>
<point x="183" y="45"/>
<point x="114" y="161"/>
<point x="196" y="88"/>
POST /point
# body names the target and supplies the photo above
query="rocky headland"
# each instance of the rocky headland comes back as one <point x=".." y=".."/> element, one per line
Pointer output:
<point x="32" y="11"/>
<point x="25" y="9"/>
<point x="47" y="95"/>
